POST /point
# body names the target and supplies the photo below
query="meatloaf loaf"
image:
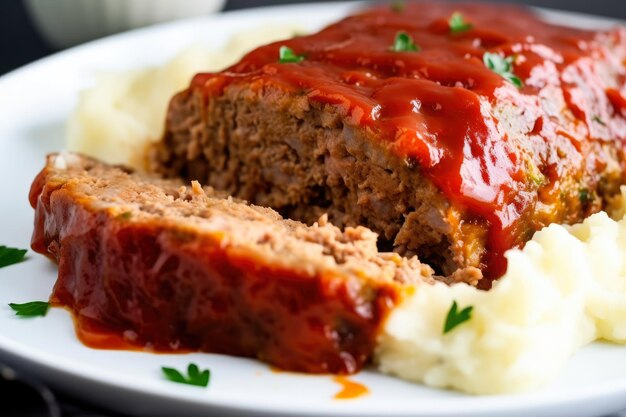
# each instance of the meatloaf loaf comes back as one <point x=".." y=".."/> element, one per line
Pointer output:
<point x="173" y="267"/>
<point x="452" y="130"/>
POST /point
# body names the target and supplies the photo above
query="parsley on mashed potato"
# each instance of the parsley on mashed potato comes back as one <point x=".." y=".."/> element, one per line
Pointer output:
<point x="565" y="289"/>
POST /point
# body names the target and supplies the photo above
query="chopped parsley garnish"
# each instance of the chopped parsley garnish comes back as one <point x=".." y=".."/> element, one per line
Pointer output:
<point x="597" y="119"/>
<point x="32" y="309"/>
<point x="502" y="66"/>
<point x="10" y="256"/>
<point x="458" y="24"/>
<point x="584" y="195"/>
<point x="534" y="174"/>
<point x="194" y="376"/>
<point x="456" y="318"/>
<point x="125" y="215"/>
<point x="288" y="56"/>
<point x="404" y="43"/>
<point x="537" y="178"/>
<point x="398" y="6"/>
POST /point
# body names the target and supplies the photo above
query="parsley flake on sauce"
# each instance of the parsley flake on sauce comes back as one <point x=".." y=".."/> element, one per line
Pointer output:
<point x="288" y="56"/>
<point x="194" y="376"/>
<point x="127" y="215"/>
<point x="398" y="6"/>
<point x="10" y="256"/>
<point x="502" y="66"/>
<point x="404" y="43"/>
<point x="456" y="317"/>
<point x="599" y="120"/>
<point x="458" y="24"/>
<point x="584" y="196"/>
<point x="32" y="309"/>
<point x="533" y="173"/>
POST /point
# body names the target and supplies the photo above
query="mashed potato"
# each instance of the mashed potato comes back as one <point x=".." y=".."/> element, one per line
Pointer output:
<point x="118" y="118"/>
<point x="566" y="288"/>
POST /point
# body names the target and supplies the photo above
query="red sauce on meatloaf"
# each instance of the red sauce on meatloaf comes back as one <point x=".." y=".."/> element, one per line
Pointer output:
<point x="134" y="285"/>
<point x="441" y="107"/>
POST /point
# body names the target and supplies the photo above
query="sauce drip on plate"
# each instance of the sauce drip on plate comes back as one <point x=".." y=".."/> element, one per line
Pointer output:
<point x="349" y="388"/>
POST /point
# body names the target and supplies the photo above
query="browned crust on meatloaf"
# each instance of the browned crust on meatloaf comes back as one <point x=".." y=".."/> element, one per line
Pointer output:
<point x="174" y="267"/>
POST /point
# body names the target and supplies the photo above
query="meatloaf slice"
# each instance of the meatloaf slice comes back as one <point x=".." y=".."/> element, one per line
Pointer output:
<point x="455" y="143"/>
<point x="178" y="267"/>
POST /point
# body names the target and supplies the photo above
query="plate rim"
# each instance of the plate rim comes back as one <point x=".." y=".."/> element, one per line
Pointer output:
<point x="43" y="359"/>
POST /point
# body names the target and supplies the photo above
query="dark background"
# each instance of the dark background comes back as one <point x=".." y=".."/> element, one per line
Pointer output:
<point x="20" y="44"/>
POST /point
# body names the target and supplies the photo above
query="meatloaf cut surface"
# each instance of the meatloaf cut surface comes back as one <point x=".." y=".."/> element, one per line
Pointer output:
<point x="173" y="267"/>
<point x="454" y="139"/>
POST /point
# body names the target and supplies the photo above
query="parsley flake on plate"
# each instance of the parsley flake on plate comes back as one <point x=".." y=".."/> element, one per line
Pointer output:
<point x="456" y="317"/>
<point x="404" y="43"/>
<point x="458" y="24"/>
<point x="288" y="56"/>
<point x="10" y="256"/>
<point x="32" y="309"/>
<point x="502" y="66"/>
<point x="194" y="376"/>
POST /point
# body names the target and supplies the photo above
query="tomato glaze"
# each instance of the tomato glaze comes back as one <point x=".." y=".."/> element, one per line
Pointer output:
<point x="441" y="109"/>
<point x="165" y="289"/>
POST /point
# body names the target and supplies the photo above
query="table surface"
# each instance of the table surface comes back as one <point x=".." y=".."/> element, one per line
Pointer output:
<point x="21" y="44"/>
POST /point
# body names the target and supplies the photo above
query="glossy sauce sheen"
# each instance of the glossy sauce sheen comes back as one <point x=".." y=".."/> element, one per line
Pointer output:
<point x="441" y="108"/>
<point x="143" y="285"/>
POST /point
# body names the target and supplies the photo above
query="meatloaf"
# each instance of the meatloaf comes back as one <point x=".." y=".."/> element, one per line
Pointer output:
<point x="177" y="267"/>
<point x="452" y="130"/>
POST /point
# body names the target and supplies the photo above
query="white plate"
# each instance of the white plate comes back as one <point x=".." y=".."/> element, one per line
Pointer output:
<point x="34" y="104"/>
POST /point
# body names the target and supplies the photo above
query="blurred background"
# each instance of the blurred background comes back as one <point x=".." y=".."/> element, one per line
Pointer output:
<point x="23" y="22"/>
<point x="29" y="30"/>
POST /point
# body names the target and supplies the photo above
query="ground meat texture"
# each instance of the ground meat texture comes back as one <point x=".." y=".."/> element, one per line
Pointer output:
<point x="156" y="263"/>
<point x="298" y="157"/>
<point x="438" y="153"/>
